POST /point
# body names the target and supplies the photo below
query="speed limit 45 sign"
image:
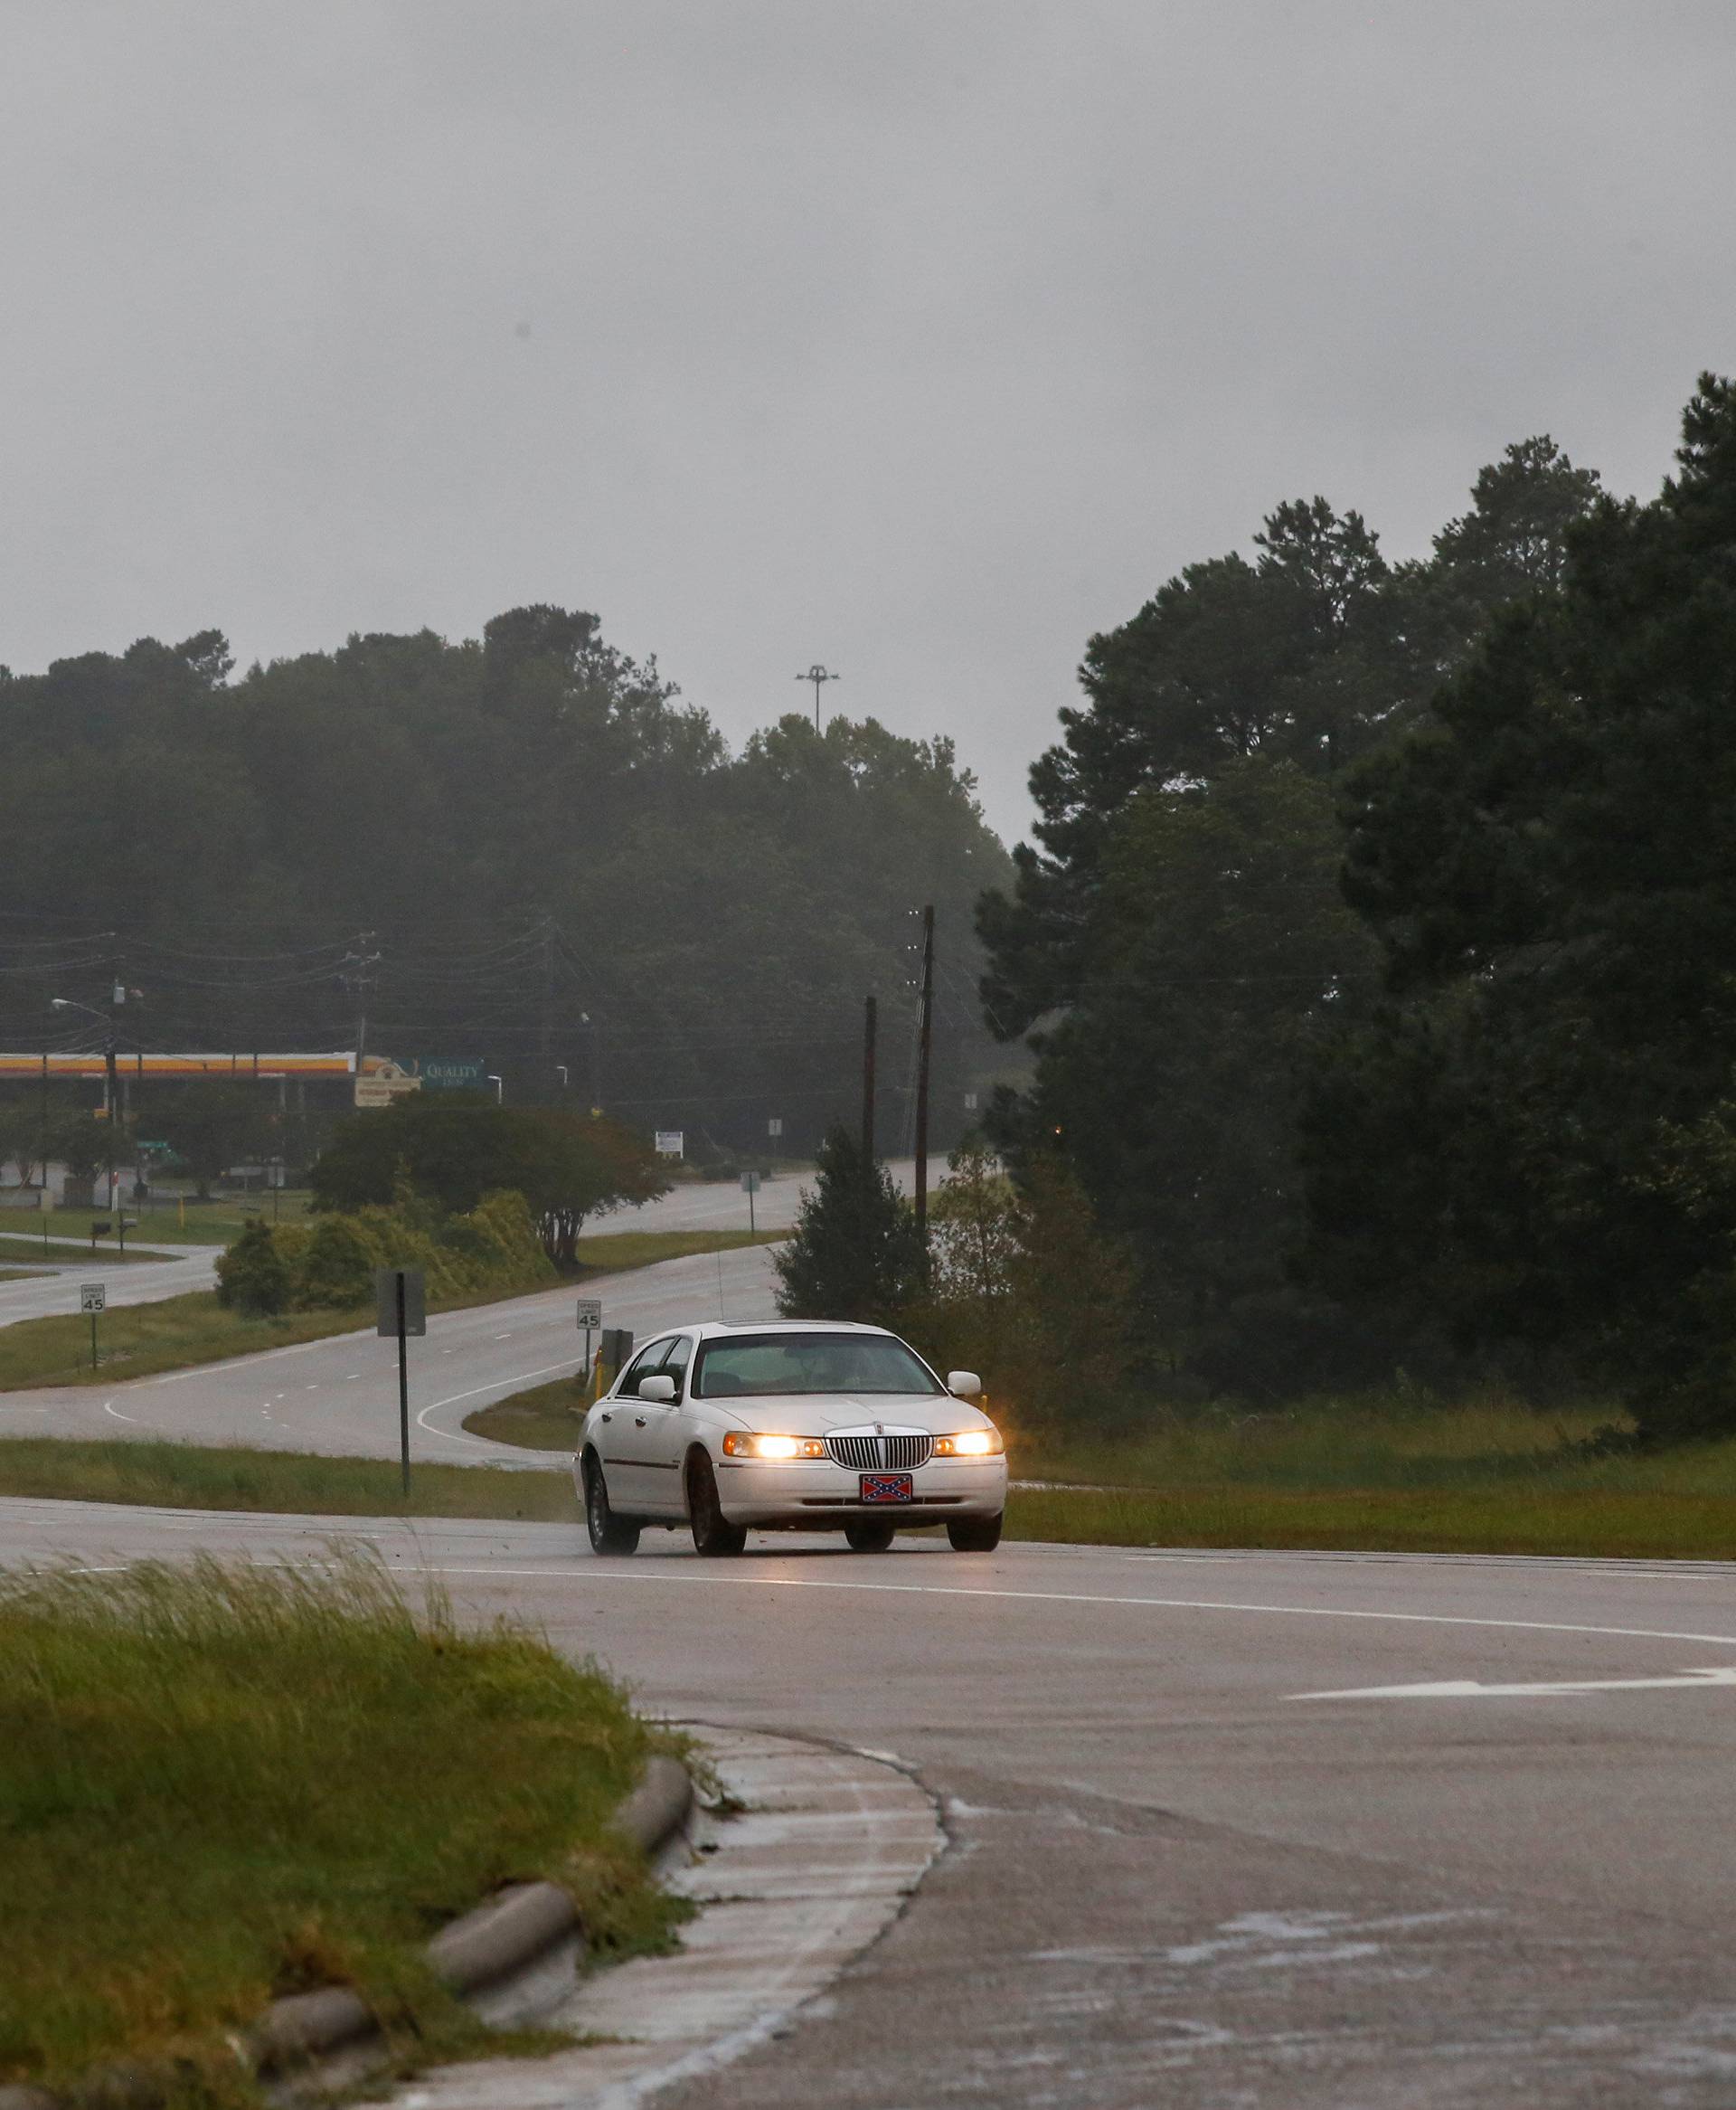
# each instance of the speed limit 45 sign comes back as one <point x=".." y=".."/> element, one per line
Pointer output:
<point x="92" y="1296"/>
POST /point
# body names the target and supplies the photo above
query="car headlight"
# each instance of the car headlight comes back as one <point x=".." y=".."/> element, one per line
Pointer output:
<point x="970" y="1443"/>
<point x="744" y="1444"/>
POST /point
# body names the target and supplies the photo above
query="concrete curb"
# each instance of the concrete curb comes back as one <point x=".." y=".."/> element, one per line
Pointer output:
<point x="512" y="1930"/>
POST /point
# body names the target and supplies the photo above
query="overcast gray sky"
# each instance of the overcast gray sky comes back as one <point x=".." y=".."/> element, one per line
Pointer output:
<point x="920" y="336"/>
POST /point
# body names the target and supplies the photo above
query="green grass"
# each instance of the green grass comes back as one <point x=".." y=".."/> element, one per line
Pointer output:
<point x="615" y="1252"/>
<point x="201" y="1476"/>
<point x="221" y="1784"/>
<point x="1488" y="1477"/>
<point x="212" y="1222"/>
<point x="107" y="1253"/>
<point x="542" y="1417"/>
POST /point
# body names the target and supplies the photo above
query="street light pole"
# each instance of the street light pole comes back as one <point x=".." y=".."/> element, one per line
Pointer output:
<point x="499" y="1088"/>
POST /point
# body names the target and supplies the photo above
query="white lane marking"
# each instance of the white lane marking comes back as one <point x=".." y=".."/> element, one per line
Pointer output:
<point x="1468" y="1687"/>
<point x="310" y="1388"/>
<point x="709" y="1574"/>
<point x="507" y="1335"/>
<point x="296" y="1348"/>
<point x="108" y="1406"/>
<point x="452" y="1399"/>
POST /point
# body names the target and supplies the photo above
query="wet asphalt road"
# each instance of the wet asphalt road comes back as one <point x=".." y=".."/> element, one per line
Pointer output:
<point x="1175" y="1876"/>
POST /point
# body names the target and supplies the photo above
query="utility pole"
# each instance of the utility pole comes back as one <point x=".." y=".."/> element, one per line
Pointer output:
<point x="359" y="983"/>
<point x="924" y="1046"/>
<point x="870" y="1023"/>
<point x="817" y="674"/>
<point x="44" y="1153"/>
<point x="595" y="1060"/>
<point x="111" y="1094"/>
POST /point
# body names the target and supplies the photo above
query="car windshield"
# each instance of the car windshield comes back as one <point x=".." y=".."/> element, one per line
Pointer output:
<point x="758" y="1365"/>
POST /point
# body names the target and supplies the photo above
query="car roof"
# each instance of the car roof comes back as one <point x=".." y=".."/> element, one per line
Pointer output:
<point x="720" y="1329"/>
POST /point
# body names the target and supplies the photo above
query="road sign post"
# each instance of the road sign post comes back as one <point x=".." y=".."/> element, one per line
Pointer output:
<point x="400" y="1299"/>
<point x="590" y="1321"/>
<point x="92" y="1297"/>
<point x="750" y="1186"/>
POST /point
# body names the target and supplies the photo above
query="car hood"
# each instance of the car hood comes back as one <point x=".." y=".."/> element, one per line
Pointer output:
<point x="817" y="1413"/>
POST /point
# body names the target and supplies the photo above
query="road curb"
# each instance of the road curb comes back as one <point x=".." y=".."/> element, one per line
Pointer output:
<point x="512" y="1930"/>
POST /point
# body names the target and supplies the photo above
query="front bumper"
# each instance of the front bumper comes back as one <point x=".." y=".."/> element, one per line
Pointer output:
<point x="819" y="1496"/>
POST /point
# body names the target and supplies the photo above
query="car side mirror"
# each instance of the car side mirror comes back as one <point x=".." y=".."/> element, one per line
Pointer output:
<point x="964" y="1384"/>
<point x="660" y="1390"/>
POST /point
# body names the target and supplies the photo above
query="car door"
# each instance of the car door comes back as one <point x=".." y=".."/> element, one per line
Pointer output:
<point x="668" y="1429"/>
<point x="632" y="1437"/>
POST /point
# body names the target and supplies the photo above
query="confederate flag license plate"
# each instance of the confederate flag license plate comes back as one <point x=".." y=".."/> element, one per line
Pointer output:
<point x="888" y="1487"/>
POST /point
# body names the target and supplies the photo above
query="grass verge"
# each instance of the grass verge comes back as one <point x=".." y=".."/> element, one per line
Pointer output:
<point x="220" y="1784"/>
<point x="1587" y="1524"/>
<point x="615" y="1252"/>
<point x="542" y="1417"/>
<point x="201" y="1476"/>
<point x="174" y="1333"/>
<point x="136" y="1340"/>
<point x="33" y="1250"/>
<point x="212" y="1223"/>
<point x="1386" y="1475"/>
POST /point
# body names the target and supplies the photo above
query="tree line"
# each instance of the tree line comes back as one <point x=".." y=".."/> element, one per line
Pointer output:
<point x="1375" y="946"/>
<point x="524" y="849"/>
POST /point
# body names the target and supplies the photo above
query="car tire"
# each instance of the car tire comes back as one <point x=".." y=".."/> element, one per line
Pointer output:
<point x="714" y="1537"/>
<point x="868" y="1535"/>
<point x="975" y="1534"/>
<point x="608" y="1533"/>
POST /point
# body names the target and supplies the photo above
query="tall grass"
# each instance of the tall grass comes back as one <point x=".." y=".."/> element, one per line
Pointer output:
<point x="221" y="1783"/>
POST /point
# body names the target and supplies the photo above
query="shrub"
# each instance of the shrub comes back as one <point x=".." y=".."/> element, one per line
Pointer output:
<point x="338" y="1268"/>
<point x="252" y="1274"/>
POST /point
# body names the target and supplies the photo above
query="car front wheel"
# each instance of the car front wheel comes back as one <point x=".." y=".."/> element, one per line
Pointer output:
<point x="975" y="1534"/>
<point x="609" y="1532"/>
<point x="868" y="1535"/>
<point x="713" y="1535"/>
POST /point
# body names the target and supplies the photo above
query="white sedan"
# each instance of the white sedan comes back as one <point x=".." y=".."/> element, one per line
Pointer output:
<point x="793" y="1426"/>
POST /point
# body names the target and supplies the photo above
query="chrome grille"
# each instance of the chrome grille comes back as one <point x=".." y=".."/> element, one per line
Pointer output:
<point x="899" y="1454"/>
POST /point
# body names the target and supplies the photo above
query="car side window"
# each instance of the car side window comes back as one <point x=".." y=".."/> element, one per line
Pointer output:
<point x="647" y="1361"/>
<point x="679" y="1355"/>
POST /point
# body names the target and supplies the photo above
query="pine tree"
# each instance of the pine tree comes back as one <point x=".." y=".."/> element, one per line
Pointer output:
<point x="853" y="1253"/>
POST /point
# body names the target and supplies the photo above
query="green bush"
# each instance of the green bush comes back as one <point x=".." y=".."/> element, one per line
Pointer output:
<point x="329" y="1264"/>
<point x="338" y="1268"/>
<point x="252" y="1274"/>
